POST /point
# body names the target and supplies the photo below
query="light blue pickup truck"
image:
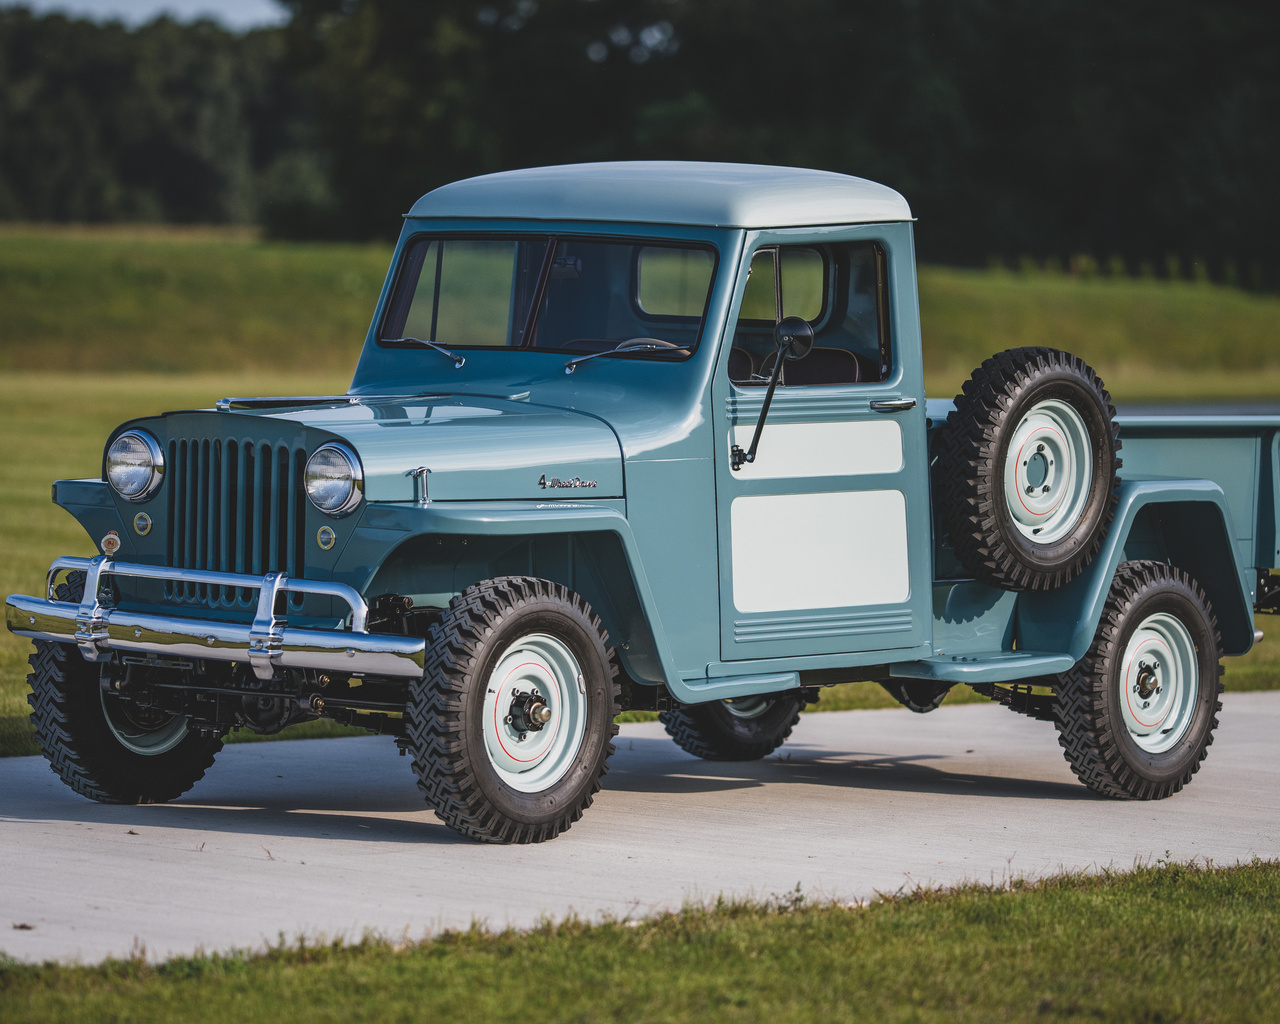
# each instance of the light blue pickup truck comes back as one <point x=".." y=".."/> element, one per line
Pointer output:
<point x="652" y="436"/>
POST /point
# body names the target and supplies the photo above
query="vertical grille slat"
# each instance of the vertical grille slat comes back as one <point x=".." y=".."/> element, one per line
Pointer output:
<point x="255" y="558"/>
<point x="189" y="510"/>
<point x="273" y="514"/>
<point x="234" y="506"/>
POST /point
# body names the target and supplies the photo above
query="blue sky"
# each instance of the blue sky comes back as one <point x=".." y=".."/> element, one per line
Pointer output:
<point x="236" y="14"/>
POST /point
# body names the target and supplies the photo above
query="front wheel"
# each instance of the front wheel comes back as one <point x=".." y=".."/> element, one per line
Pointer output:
<point x="100" y="745"/>
<point x="742" y="729"/>
<point x="511" y="724"/>
<point x="1136" y="715"/>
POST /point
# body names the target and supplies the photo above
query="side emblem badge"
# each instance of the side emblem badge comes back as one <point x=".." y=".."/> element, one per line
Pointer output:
<point x="325" y="537"/>
<point x="142" y="524"/>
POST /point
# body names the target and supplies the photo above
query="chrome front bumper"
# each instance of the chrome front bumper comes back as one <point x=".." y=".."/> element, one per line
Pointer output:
<point x="266" y="645"/>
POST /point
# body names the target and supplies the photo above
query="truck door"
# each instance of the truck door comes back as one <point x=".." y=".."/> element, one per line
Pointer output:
<point x="824" y="537"/>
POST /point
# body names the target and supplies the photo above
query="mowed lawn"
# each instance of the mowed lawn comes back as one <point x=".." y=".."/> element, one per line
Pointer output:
<point x="1164" y="943"/>
<point x="99" y="325"/>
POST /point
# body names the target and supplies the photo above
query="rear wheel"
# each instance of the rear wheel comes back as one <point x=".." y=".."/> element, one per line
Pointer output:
<point x="511" y="725"/>
<point x="1136" y="715"/>
<point x="742" y="729"/>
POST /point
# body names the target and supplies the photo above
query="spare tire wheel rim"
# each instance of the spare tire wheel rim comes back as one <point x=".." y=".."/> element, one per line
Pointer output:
<point x="1159" y="683"/>
<point x="535" y="713"/>
<point x="1048" y="472"/>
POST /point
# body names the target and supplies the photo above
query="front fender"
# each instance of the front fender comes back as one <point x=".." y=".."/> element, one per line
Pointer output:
<point x="436" y="550"/>
<point x="1191" y="529"/>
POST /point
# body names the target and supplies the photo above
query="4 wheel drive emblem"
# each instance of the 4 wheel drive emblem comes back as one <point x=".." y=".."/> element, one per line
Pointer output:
<point x="325" y="537"/>
<point x="142" y="524"/>
<point x="555" y="481"/>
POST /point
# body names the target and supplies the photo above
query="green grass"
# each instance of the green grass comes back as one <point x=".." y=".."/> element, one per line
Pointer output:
<point x="1166" y="943"/>
<point x="97" y="325"/>
<point x="1150" y="340"/>
<point x="129" y="301"/>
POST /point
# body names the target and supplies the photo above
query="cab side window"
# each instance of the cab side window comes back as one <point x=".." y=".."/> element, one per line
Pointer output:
<point x="840" y="289"/>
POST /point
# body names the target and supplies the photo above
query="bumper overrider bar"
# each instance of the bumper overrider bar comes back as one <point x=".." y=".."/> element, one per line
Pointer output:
<point x="268" y="644"/>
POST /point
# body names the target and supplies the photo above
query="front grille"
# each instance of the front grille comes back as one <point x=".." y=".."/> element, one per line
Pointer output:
<point x="234" y="506"/>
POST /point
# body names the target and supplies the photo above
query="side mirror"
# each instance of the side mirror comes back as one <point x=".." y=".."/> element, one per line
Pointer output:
<point x="794" y="337"/>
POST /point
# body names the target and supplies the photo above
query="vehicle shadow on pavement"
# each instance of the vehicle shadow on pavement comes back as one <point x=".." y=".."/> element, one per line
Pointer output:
<point x="242" y="818"/>
<point x="650" y="765"/>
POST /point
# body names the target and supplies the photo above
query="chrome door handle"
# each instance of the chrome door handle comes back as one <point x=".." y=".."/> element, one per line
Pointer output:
<point x="893" y="404"/>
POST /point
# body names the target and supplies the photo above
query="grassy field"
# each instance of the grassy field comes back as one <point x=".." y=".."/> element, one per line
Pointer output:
<point x="99" y="325"/>
<point x="1167" y="943"/>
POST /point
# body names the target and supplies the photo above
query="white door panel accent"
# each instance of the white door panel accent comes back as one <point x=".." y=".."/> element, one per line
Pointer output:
<point x="789" y="450"/>
<point x="837" y="550"/>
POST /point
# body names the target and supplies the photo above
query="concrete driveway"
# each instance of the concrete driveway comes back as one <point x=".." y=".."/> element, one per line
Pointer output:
<point x="330" y="837"/>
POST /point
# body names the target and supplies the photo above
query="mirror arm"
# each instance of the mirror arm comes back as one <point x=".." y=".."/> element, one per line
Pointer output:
<point x="740" y="458"/>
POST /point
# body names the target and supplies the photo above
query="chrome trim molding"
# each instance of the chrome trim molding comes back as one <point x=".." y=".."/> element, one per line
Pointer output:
<point x="266" y="645"/>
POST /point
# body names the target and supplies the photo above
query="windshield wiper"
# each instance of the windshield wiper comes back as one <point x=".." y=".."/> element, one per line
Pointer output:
<point x="632" y="346"/>
<point x="435" y="346"/>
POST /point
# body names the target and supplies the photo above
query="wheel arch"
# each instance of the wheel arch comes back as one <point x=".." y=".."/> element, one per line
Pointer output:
<point x="1186" y="523"/>
<point x="441" y="556"/>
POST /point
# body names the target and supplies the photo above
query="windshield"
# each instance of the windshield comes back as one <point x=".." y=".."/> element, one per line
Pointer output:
<point x="589" y="295"/>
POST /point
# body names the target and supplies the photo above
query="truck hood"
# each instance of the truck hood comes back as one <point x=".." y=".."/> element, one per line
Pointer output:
<point x="472" y="448"/>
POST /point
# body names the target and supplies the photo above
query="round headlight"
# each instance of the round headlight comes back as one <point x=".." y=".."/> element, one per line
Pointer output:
<point x="135" y="465"/>
<point x="334" y="479"/>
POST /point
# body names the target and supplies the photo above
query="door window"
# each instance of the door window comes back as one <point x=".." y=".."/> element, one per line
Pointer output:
<point x="840" y="289"/>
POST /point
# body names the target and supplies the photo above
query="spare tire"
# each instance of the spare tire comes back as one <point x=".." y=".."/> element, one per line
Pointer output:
<point x="1025" y="469"/>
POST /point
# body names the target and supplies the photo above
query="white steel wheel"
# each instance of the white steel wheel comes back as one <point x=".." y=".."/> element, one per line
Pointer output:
<point x="1159" y="683"/>
<point x="535" y="709"/>
<point x="140" y="730"/>
<point x="1048" y="471"/>
<point x="512" y="723"/>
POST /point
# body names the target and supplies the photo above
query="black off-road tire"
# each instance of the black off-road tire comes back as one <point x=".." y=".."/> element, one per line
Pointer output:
<point x="714" y="732"/>
<point x="1091" y="728"/>
<point x="71" y="727"/>
<point x="443" y="719"/>
<point x="971" y="456"/>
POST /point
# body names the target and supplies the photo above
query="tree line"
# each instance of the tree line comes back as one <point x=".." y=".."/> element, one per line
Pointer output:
<point x="1130" y="132"/>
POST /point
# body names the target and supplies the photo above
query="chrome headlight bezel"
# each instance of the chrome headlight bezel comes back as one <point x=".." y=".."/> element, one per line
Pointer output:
<point x="154" y="452"/>
<point x="351" y="501"/>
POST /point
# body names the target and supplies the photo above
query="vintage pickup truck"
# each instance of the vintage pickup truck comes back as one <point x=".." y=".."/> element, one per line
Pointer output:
<point x="653" y="436"/>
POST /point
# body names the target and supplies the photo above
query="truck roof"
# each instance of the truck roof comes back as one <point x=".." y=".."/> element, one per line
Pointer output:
<point x="669" y="192"/>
